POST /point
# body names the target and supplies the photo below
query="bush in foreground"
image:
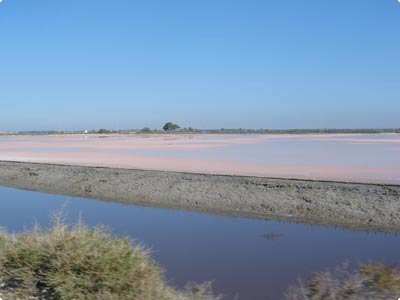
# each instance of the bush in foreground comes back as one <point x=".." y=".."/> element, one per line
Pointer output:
<point x="369" y="282"/>
<point x="80" y="263"/>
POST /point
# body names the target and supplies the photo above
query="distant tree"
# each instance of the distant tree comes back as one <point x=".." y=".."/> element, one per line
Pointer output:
<point x="169" y="126"/>
<point x="101" y="131"/>
<point x="146" y="130"/>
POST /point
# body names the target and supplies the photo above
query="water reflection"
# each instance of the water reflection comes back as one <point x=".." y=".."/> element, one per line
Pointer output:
<point x="200" y="247"/>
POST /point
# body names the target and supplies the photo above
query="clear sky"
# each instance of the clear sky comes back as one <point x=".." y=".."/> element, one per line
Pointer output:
<point x="83" y="64"/>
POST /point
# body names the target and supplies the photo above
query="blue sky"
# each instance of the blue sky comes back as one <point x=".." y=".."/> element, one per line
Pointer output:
<point x="203" y="63"/>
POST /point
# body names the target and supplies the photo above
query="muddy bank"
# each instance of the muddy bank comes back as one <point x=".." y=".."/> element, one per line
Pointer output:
<point x="354" y="206"/>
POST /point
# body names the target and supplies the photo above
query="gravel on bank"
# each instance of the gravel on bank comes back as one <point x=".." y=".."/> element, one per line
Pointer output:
<point x="372" y="207"/>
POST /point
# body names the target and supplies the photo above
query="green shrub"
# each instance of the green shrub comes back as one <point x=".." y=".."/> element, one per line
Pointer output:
<point x="80" y="263"/>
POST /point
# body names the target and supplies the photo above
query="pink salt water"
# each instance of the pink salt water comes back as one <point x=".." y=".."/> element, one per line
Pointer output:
<point x="339" y="157"/>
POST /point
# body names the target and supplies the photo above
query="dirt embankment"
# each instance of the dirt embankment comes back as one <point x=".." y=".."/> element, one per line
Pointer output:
<point x="370" y="207"/>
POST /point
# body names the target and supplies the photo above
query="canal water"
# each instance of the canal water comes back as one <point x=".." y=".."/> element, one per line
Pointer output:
<point x="245" y="258"/>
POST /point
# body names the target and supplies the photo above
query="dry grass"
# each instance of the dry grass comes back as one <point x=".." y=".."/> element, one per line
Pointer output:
<point x="369" y="282"/>
<point x="81" y="263"/>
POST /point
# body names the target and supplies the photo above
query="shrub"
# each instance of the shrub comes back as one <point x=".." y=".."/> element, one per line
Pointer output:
<point x="146" y="130"/>
<point x="103" y="131"/>
<point x="80" y="263"/>
<point x="370" y="282"/>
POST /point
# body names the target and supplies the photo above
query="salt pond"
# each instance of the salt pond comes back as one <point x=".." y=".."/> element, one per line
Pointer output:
<point x="343" y="157"/>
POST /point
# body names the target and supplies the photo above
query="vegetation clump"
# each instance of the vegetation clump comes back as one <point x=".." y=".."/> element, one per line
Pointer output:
<point x="103" y="131"/>
<point x="370" y="282"/>
<point x="169" y="126"/>
<point x="146" y="130"/>
<point x="81" y="263"/>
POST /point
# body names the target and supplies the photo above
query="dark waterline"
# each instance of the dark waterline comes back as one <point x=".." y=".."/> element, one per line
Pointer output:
<point x="253" y="259"/>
